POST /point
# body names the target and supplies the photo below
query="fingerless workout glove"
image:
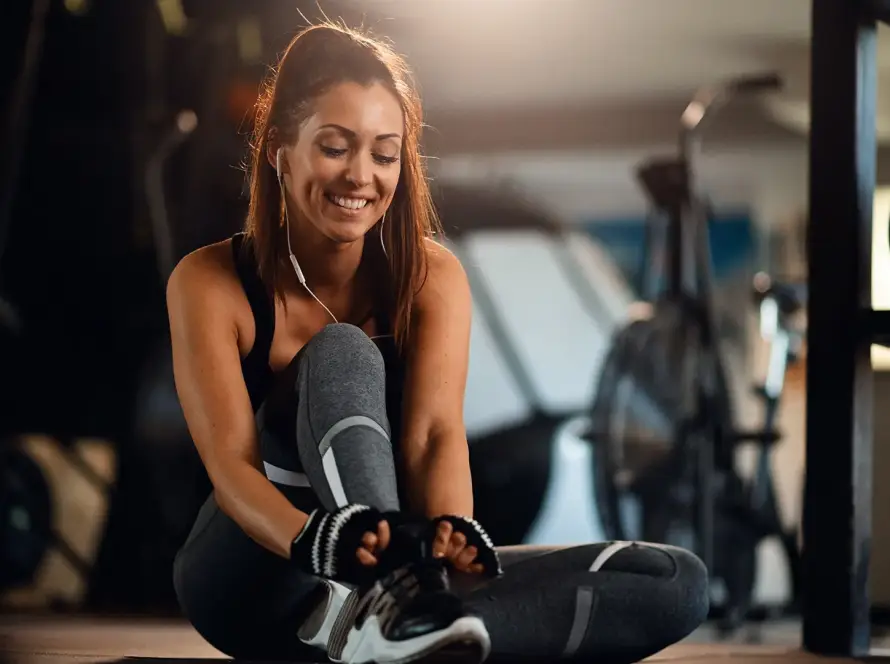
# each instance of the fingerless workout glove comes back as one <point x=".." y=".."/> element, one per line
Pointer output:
<point x="476" y="536"/>
<point x="327" y="544"/>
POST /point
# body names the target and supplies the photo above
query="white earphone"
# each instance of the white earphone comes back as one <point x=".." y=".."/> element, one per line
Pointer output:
<point x="293" y="259"/>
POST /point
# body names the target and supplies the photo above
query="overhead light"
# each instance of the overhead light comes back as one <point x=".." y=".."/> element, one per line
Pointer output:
<point x="250" y="39"/>
<point x="77" y="7"/>
<point x="173" y="16"/>
<point x="186" y="121"/>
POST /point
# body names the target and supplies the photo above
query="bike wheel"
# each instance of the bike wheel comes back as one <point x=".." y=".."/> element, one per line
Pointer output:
<point x="660" y="396"/>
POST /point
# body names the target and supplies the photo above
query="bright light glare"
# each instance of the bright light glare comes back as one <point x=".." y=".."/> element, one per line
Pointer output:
<point x="173" y="16"/>
<point x="880" y="269"/>
<point x="77" y="6"/>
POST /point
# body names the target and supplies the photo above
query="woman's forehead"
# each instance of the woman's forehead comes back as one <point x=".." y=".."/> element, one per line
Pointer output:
<point x="367" y="111"/>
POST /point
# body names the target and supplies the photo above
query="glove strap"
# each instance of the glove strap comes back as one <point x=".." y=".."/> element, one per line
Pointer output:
<point x="478" y="537"/>
<point x="328" y="539"/>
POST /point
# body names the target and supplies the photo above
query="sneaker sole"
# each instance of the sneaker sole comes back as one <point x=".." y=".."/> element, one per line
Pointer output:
<point x="466" y="641"/>
<point x="454" y="653"/>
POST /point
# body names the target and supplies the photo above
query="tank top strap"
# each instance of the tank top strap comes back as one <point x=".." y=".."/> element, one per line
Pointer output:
<point x="255" y="365"/>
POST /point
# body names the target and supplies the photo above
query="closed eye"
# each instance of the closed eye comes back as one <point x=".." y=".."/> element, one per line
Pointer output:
<point x="339" y="152"/>
<point x="333" y="152"/>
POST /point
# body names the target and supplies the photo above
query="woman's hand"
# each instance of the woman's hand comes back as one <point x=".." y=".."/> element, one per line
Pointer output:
<point x="342" y="545"/>
<point x="373" y="544"/>
<point x="453" y="546"/>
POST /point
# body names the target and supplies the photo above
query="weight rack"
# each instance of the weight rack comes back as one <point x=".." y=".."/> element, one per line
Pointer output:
<point x="839" y="440"/>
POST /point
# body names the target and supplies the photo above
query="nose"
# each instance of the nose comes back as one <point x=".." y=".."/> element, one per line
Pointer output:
<point x="359" y="170"/>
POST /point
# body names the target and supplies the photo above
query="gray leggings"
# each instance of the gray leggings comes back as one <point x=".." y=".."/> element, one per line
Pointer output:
<point x="326" y="426"/>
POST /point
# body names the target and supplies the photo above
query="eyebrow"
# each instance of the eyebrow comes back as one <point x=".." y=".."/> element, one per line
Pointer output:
<point x="349" y="132"/>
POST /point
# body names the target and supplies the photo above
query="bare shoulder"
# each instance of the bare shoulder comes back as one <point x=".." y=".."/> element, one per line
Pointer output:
<point x="445" y="276"/>
<point x="205" y="277"/>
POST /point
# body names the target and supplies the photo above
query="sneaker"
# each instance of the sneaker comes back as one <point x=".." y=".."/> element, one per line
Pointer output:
<point x="407" y="616"/>
<point x="317" y="627"/>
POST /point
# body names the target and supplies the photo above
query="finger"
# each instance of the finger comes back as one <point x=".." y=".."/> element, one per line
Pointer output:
<point x="471" y="567"/>
<point x="456" y="564"/>
<point x="466" y="557"/>
<point x="383" y="535"/>
<point x="365" y="557"/>
<point x="443" y="537"/>
<point x="369" y="541"/>
<point x="456" y="544"/>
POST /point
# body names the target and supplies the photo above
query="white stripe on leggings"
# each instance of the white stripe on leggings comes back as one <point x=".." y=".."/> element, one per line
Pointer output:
<point x="286" y="477"/>
<point x="347" y="423"/>
<point x="584" y="606"/>
<point x="332" y="474"/>
<point x="291" y="478"/>
<point x="329" y="463"/>
<point x="607" y="553"/>
<point x="585" y="599"/>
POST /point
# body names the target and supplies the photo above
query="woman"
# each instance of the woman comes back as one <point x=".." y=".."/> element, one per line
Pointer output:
<point x="320" y="359"/>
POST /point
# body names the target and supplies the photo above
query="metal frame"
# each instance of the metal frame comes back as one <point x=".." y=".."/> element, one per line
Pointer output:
<point x="837" y="502"/>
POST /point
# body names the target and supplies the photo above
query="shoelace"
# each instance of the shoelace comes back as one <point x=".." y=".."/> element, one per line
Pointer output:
<point x="395" y="592"/>
<point x="389" y="596"/>
<point x="384" y="599"/>
<point x="430" y="574"/>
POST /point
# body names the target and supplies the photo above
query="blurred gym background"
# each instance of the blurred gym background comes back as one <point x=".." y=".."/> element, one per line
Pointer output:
<point x="550" y="126"/>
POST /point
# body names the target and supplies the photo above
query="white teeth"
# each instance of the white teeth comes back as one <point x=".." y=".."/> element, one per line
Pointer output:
<point x="349" y="203"/>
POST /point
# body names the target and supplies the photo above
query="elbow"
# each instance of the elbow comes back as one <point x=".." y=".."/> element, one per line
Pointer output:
<point x="225" y="473"/>
<point x="222" y="483"/>
<point x="451" y="435"/>
<point x="422" y="449"/>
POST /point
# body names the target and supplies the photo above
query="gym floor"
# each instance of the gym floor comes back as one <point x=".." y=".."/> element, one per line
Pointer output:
<point x="81" y="640"/>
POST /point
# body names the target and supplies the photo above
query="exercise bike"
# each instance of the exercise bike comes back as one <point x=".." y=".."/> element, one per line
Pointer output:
<point x="661" y="423"/>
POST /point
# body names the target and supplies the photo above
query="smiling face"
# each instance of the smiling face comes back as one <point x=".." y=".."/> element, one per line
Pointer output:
<point x="342" y="171"/>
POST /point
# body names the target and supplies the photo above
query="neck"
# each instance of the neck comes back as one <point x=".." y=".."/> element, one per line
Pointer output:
<point x="328" y="266"/>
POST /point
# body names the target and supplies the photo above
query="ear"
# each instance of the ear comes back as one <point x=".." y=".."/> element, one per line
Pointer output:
<point x="273" y="145"/>
<point x="272" y="148"/>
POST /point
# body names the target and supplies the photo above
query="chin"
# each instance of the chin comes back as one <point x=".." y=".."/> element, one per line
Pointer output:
<point x="348" y="229"/>
<point x="344" y="233"/>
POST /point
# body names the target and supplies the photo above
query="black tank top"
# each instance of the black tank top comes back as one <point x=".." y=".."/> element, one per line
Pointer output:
<point x="258" y="375"/>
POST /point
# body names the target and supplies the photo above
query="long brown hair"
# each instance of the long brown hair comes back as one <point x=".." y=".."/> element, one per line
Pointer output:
<point x="317" y="59"/>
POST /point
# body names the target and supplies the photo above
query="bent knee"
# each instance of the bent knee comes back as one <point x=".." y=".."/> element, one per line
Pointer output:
<point x="340" y="334"/>
<point x="344" y="372"/>
<point x="343" y="349"/>
<point x="689" y="570"/>
<point x="680" y="576"/>
<point x="343" y="340"/>
<point x="656" y="560"/>
<point x="691" y="590"/>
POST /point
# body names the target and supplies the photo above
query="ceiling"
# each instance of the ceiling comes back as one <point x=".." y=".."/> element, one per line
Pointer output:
<point x="627" y="56"/>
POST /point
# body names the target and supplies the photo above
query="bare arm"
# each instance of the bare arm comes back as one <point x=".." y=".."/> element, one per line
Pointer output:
<point x="216" y="404"/>
<point x="435" y="443"/>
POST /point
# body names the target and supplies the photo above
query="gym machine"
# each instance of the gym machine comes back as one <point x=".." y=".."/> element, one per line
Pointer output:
<point x="662" y="419"/>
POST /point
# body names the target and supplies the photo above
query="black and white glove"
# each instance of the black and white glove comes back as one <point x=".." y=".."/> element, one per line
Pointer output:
<point x="328" y="543"/>
<point x="476" y="536"/>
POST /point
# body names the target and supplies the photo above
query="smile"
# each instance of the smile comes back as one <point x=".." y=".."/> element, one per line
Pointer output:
<point x="347" y="202"/>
